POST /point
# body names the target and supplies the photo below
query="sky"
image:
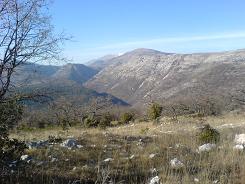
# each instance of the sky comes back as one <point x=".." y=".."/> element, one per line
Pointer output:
<point x="101" y="27"/>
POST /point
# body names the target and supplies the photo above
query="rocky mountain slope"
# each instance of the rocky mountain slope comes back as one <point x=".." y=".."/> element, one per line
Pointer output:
<point x="74" y="72"/>
<point x="101" y="63"/>
<point x="144" y="75"/>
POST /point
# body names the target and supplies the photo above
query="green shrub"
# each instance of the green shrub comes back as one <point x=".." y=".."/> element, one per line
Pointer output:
<point x="10" y="114"/>
<point x="127" y="117"/>
<point x="154" y="111"/>
<point x="105" y="120"/>
<point x="208" y="134"/>
<point x="90" y="121"/>
<point x="10" y="150"/>
<point x="101" y="121"/>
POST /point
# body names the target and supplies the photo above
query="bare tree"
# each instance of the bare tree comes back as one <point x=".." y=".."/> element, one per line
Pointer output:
<point x="26" y="35"/>
<point x="65" y="112"/>
<point x="98" y="106"/>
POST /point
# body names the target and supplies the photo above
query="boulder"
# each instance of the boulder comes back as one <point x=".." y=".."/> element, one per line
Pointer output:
<point x="79" y="146"/>
<point x="69" y="143"/>
<point x="108" y="160"/>
<point x="26" y="158"/>
<point x="151" y="156"/>
<point x="176" y="164"/>
<point x="206" y="147"/>
<point x="155" y="180"/>
<point x="196" y="180"/>
<point x="240" y="139"/>
<point x="238" y="147"/>
<point x="37" y="144"/>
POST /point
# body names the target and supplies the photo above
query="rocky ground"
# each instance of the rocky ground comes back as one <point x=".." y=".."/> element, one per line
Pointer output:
<point x="140" y="152"/>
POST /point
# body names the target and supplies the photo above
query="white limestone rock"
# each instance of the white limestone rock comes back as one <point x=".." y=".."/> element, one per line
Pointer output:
<point x="69" y="143"/>
<point x="206" y="147"/>
<point x="108" y="160"/>
<point x="155" y="180"/>
<point x="240" y="139"/>
<point x="151" y="156"/>
<point x="238" y="147"/>
<point x="26" y="158"/>
<point x="176" y="164"/>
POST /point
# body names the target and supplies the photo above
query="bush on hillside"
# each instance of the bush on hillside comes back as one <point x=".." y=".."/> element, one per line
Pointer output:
<point x="105" y="120"/>
<point x="154" y="111"/>
<point x="208" y="134"/>
<point x="102" y="121"/>
<point x="90" y="121"/>
<point x="10" y="149"/>
<point x="10" y="113"/>
<point x="126" y="117"/>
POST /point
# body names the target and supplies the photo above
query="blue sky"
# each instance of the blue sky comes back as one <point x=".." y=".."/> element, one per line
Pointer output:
<point x="101" y="27"/>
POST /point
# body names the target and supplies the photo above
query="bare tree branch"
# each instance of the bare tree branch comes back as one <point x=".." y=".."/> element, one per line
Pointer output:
<point x="26" y="35"/>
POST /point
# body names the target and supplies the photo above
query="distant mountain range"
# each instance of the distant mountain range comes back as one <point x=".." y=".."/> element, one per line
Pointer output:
<point x="30" y="74"/>
<point x="143" y="75"/>
<point x="59" y="82"/>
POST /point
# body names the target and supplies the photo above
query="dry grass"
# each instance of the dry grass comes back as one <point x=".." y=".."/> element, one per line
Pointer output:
<point x="130" y="147"/>
<point x="165" y="126"/>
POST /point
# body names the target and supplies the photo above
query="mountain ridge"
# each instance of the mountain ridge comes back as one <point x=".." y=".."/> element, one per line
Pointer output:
<point x="59" y="81"/>
<point x="141" y="75"/>
<point x="100" y="63"/>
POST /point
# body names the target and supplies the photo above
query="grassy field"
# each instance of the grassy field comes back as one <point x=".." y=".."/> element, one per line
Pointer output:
<point x="136" y="153"/>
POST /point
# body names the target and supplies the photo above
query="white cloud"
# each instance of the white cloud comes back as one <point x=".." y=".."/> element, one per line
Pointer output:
<point x="186" y="44"/>
<point x="167" y="40"/>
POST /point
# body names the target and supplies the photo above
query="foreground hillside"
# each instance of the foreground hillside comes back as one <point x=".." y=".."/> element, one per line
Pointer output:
<point x="140" y="152"/>
<point x="144" y="75"/>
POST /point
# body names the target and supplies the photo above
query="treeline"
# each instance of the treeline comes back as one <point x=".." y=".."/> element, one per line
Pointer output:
<point x="101" y="112"/>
